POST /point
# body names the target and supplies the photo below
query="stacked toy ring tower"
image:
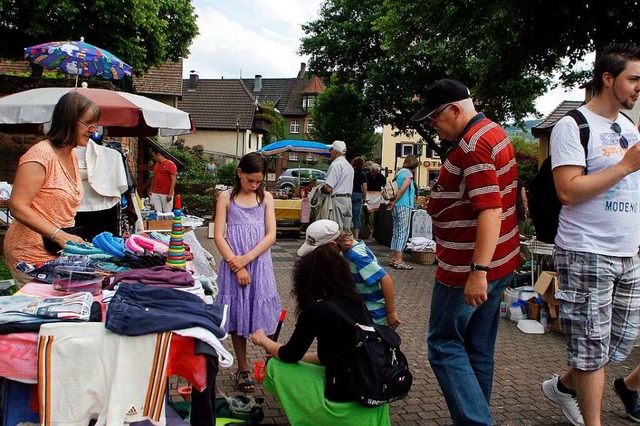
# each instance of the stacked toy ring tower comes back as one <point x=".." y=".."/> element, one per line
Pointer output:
<point x="176" y="255"/>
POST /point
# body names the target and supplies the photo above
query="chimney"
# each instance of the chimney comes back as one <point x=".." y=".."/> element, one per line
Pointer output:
<point x="303" y="69"/>
<point x="257" y="85"/>
<point x="193" y="79"/>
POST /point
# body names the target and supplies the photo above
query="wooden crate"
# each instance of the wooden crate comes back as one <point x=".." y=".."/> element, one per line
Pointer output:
<point x="161" y="224"/>
<point x="423" y="257"/>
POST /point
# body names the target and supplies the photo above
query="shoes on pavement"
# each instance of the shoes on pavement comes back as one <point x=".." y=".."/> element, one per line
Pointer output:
<point x="568" y="403"/>
<point x="629" y="398"/>
<point x="402" y="265"/>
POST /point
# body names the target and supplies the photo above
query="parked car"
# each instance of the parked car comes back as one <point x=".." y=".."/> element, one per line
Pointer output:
<point x="289" y="179"/>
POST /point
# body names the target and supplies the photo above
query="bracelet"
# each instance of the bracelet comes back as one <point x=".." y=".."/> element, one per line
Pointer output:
<point x="54" y="233"/>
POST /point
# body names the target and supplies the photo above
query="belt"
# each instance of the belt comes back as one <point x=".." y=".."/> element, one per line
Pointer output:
<point x="341" y="195"/>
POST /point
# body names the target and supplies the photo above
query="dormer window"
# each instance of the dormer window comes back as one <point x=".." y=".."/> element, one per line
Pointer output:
<point x="308" y="102"/>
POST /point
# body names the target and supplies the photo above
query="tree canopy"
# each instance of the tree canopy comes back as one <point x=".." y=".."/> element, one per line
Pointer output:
<point x="342" y="114"/>
<point x="506" y="51"/>
<point x="143" y="33"/>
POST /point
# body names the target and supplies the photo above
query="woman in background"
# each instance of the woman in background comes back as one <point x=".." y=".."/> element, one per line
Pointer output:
<point x="358" y="193"/>
<point x="402" y="207"/>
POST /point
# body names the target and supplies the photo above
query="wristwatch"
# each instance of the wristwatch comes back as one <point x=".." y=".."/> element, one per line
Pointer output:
<point x="475" y="267"/>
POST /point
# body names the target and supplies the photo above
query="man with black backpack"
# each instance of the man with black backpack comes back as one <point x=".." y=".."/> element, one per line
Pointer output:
<point x="596" y="253"/>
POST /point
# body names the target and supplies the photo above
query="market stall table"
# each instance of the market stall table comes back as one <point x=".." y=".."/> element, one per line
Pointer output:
<point x="287" y="214"/>
<point x="19" y="351"/>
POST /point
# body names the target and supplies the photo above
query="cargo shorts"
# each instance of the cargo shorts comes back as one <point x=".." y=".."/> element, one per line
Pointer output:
<point x="599" y="306"/>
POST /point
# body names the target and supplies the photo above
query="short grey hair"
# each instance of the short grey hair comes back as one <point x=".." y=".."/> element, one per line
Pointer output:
<point x="375" y="167"/>
<point x="466" y="104"/>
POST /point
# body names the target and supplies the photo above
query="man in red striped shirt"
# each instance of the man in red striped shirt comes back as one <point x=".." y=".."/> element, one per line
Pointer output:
<point x="475" y="225"/>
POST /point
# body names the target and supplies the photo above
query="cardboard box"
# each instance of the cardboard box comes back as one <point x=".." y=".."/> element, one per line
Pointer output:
<point x="533" y="309"/>
<point x="161" y="224"/>
<point x="547" y="286"/>
<point x="555" y="326"/>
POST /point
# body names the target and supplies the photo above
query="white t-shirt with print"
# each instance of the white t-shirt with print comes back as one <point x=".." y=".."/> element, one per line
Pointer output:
<point x="608" y="223"/>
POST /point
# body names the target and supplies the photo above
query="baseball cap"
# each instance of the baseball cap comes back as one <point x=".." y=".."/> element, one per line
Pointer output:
<point x="339" y="146"/>
<point x="319" y="233"/>
<point x="441" y="92"/>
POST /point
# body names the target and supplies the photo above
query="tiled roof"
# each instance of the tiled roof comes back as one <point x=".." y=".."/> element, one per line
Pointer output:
<point x="163" y="80"/>
<point x="546" y="125"/>
<point x="294" y="106"/>
<point x="276" y="90"/>
<point x="7" y="66"/>
<point x="315" y="86"/>
<point x="215" y="104"/>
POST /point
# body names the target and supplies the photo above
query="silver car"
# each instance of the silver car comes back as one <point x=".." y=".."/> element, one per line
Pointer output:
<point x="289" y="178"/>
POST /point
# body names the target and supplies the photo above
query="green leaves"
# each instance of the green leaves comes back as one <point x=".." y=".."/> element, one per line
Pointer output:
<point x="506" y="51"/>
<point x="342" y="113"/>
<point x="143" y="33"/>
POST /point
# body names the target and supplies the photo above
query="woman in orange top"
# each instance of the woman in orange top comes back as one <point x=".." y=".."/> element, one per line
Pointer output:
<point x="47" y="188"/>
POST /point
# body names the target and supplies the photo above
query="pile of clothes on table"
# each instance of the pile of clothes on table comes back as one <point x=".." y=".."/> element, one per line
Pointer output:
<point x="116" y="371"/>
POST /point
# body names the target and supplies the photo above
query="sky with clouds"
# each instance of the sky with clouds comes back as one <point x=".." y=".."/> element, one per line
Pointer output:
<point x="249" y="37"/>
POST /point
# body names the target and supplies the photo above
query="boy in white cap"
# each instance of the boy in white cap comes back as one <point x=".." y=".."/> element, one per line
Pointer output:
<point x="372" y="281"/>
<point x="339" y="184"/>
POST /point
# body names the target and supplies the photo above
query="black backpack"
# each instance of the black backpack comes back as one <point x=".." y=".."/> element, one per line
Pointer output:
<point x="379" y="371"/>
<point x="544" y="205"/>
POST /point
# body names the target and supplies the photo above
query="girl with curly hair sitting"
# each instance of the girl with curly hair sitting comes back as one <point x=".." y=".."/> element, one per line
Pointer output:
<point x="316" y="391"/>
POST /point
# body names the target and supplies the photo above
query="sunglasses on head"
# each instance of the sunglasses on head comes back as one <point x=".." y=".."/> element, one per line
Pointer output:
<point x="624" y="143"/>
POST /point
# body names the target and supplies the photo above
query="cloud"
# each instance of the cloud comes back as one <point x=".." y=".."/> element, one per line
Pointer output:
<point x="249" y="37"/>
<point x="263" y="36"/>
<point x="548" y="102"/>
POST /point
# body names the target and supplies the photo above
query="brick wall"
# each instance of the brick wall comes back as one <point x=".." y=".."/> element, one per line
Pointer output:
<point x="12" y="146"/>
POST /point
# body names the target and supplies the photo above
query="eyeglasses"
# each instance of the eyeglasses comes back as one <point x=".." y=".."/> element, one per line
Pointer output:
<point x="624" y="143"/>
<point x="91" y="127"/>
<point x="437" y="112"/>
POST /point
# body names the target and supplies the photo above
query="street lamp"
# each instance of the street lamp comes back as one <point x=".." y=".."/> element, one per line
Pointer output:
<point x="237" y="134"/>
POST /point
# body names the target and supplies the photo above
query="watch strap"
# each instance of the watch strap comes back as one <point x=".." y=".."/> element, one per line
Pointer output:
<point x="476" y="267"/>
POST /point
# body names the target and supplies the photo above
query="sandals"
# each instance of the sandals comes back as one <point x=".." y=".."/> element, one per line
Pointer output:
<point x="392" y="264"/>
<point x="402" y="265"/>
<point x="247" y="385"/>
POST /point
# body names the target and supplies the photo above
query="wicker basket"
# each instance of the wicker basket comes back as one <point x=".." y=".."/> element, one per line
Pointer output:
<point x="423" y="257"/>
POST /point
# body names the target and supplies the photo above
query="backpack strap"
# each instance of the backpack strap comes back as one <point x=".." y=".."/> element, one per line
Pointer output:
<point x="583" y="127"/>
<point x="628" y="118"/>
<point x="337" y="309"/>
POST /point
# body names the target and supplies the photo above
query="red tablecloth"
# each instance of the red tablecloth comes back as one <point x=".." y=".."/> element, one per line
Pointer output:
<point x="19" y="351"/>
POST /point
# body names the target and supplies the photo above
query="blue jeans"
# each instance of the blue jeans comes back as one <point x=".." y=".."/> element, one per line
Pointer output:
<point x="461" y="343"/>
<point x="356" y="206"/>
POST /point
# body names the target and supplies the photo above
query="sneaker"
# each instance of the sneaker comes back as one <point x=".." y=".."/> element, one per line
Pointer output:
<point x="629" y="398"/>
<point x="568" y="403"/>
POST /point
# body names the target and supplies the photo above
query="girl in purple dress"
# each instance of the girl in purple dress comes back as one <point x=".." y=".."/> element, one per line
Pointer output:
<point x="245" y="230"/>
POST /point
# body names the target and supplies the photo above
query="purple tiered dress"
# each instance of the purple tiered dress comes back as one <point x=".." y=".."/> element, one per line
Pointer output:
<point x="256" y="305"/>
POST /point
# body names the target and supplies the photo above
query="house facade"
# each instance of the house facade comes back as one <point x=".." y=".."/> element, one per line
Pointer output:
<point x="395" y="148"/>
<point x="227" y="112"/>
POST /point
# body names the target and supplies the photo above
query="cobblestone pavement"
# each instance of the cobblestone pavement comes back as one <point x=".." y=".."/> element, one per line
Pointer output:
<point x="522" y="360"/>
